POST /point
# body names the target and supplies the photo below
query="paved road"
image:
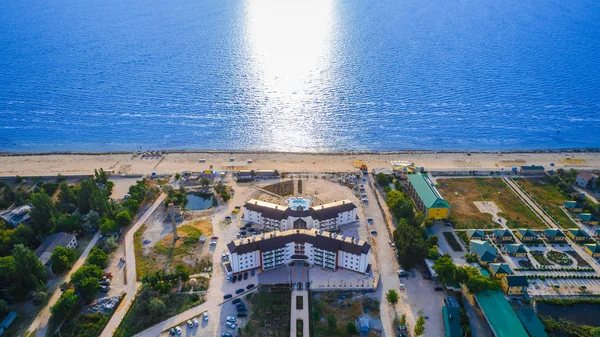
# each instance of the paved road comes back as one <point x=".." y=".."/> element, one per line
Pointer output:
<point x="131" y="276"/>
<point x="41" y="321"/>
<point x="587" y="193"/>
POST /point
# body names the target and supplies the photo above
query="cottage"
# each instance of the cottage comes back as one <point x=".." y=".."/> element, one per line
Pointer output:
<point x="17" y="215"/>
<point x="586" y="179"/>
<point x="532" y="170"/>
<point x="514" y="284"/>
<point x="516" y="250"/>
<point x="577" y="234"/>
<point x="526" y="235"/>
<point x="573" y="206"/>
<point x="587" y="219"/>
<point x="484" y="252"/>
<point x="427" y="198"/>
<point x="503" y="235"/>
<point x="593" y="249"/>
<point x="475" y="234"/>
<point x="554" y="235"/>
<point x="44" y="251"/>
<point x="499" y="269"/>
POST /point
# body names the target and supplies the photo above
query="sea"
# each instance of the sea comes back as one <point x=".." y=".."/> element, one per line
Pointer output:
<point x="299" y="75"/>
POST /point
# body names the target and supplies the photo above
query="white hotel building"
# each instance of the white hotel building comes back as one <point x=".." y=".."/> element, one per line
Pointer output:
<point x="318" y="248"/>
<point x="277" y="217"/>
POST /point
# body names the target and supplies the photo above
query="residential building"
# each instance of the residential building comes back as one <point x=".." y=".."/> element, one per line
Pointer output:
<point x="475" y="234"/>
<point x="532" y="170"/>
<point x="555" y="235"/>
<point x="587" y="219"/>
<point x="318" y="248"/>
<point x="577" y="234"/>
<point x="593" y="249"/>
<point x="499" y="269"/>
<point x="17" y="215"/>
<point x="586" y="179"/>
<point x="451" y="318"/>
<point x="514" y="284"/>
<point x="573" y="206"/>
<point x="44" y="251"/>
<point x="484" y="252"/>
<point x="516" y="250"/>
<point x="503" y="235"/>
<point x="426" y="197"/>
<point x="526" y="235"/>
<point x="324" y="217"/>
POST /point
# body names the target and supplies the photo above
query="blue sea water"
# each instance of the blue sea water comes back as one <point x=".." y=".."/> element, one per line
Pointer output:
<point x="299" y="75"/>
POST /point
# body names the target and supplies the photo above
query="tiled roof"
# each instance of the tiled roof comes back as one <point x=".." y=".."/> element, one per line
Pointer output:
<point x="515" y="248"/>
<point x="500" y="268"/>
<point x="279" y="212"/>
<point x="428" y="194"/>
<point x="484" y="250"/>
<point x="586" y="216"/>
<point x="451" y="322"/>
<point x="502" y="232"/>
<point x="475" y="233"/>
<point x="527" y="232"/>
<point x="594" y="247"/>
<point x="587" y="175"/>
<point x="553" y="233"/>
<point x="572" y="204"/>
<point x="578" y="232"/>
<point x="516" y="280"/>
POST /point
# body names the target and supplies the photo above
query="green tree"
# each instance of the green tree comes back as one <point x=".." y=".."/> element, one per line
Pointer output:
<point x="123" y="219"/>
<point x="3" y="308"/>
<point x="204" y="182"/>
<point x="91" y="197"/>
<point x="42" y="212"/>
<point x="65" y="304"/>
<point x="61" y="259"/>
<point x="110" y="244"/>
<point x="595" y="331"/>
<point x="331" y="321"/>
<point x="7" y="270"/>
<point x="420" y="326"/>
<point x="108" y="226"/>
<point x="433" y="253"/>
<point x="156" y="308"/>
<point x="445" y="268"/>
<point x="86" y="279"/>
<point x="182" y="272"/>
<point x="383" y="179"/>
<point x="100" y="176"/>
<point x="39" y="297"/>
<point x="98" y="257"/>
<point x="29" y="272"/>
<point x="432" y="240"/>
<point x="351" y="328"/>
<point x="410" y="244"/>
<point x="403" y="320"/>
<point x="220" y="188"/>
<point x="66" y="198"/>
<point x="392" y="296"/>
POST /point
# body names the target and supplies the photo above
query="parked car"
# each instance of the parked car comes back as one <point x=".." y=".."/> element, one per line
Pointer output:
<point x="231" y="319"/>
<point x="172" y="331"/>
<point x="236" y="301"/>
<point x="250" y="286"/>
<point x="240" y="305"/>
<point x="402" y="327"/>
<point x="228" y="279"/>
<point x="224" y="257"/>
<point x="252" y="273"/>
<point x="226" y="334"/>
<point x="402" y="273"/>
<point x="239" y="277"/>
<point x="239" y="291"/>
<point x="104" y="289"/>
<point x="228" y="218"/>
<point x="189" y="323"/>
<point x="242" y="314"/>
<point x="370" y="220"/>
<point x="245" y="275"/>
<point x="374" y="232"/>
<point x="228" y="296"/>
<point x="205" y="316"/>
<point x="105" y="282"/>
<point x="438" y="289"/>
<point x="231" y="325"/>
<point x="178" y="330"/>
<point x="402" y="286"/>
<point x="195" y="321"/>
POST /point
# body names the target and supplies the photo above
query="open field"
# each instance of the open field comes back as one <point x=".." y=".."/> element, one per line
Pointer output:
<point x="269" y="312"/>
<point x="549" y="197"/>
<point x="461" y="193"/>
<point x="346" y="307"/>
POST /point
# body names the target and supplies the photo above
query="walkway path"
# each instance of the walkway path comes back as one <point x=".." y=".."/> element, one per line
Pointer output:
<point x="131" y="276"/>
<point x="299" y="314"/>
<point x="41" y="321"/>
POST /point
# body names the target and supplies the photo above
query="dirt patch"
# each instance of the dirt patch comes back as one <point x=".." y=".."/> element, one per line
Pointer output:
<point x="283" y="188"/>
<point x="549" y="196"/>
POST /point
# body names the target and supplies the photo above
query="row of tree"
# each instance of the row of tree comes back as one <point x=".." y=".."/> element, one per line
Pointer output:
<point x="449" y="273"/>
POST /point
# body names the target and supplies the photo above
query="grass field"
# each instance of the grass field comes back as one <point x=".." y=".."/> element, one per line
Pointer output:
<point x="345" y="310"/>
<point x="549" y="197"/>
<point x="269" y="312"/>
<point x="461" y="193"/>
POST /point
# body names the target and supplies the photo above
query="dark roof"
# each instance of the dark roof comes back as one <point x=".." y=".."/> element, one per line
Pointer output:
<point x="475" y="233"/>
<point x="486" y="252"/>
<point x="59" y="239"/>
<point x="321" y="212"/>
<point x="552" y="232"/>
<point x="266" y="173"/>
<point x="276" y="212"/>
<point x="502" y="232"/>
<point x="516" y="280"/>
<point x="272" y="241"/>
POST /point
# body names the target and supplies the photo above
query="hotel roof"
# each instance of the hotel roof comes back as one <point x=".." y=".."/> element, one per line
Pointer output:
<point x="320" y="239"/>
<point x="278" y="212"/>
<point x="429" y="195"/>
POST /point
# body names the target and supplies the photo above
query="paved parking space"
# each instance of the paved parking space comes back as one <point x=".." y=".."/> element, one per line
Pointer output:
<point x="326" y="279"/>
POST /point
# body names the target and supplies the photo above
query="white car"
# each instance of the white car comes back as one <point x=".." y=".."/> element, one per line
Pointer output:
<point x="231" y="319"/>
<point x="189" y="323"/>
<point x="195" y="321"/>
<point x="205" y="316"/>
<point x="228" y="279"/>
<point x="402" y="286"/>
<point x="231" y="325"/>
<point x="178" y="330"/>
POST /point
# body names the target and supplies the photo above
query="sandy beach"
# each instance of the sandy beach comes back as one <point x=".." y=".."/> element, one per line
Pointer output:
<point x="128" y="163"/>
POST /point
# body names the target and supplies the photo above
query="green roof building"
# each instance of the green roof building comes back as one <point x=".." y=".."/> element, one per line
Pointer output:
<point x="475" y="234"/>
<point x="573" y="206"/>
<point x="499" y="314"/>
<point x="451" y="322"/>
<point x="503" y="235"/>
<point x="578" y="234"/>
<point x="515" y="250"/>
<point x="587" y="218"/>
<point x="532" y="323"/>
<point x="426" y="197"/>
<point x="554" y="235"/>
<point x="498" y="269"/>
<point x="484" y="251"/>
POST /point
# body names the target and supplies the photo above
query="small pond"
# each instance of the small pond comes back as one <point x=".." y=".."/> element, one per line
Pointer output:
<point x="198" y="202"/>
<point x="579" y="313"/>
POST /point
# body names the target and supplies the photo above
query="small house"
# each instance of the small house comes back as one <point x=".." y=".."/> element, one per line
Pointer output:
<point x="554" y="235"/>
<point x="363" y="322"/>
<point x="514" y="284"/>
<point x="17" y="215"/>
<point x="516" y="250"/>
<point x="586" y="179"/>
<point x="577" y="234"/>
<point x="526" y="235"/>
<point x="266" y="174"/>
<point x="484" y="252"/>
<point x="499" y="269"/>
<point x="587" y="219"/>
<point x="245" y="175"/>
<point x="593" y="249"/>
<point x="44" y="251"/>
<point x="503" y="235"/>
<point x="475" y="234"/>
<point x="573" y="206"/>
<point x="532" y="170"/>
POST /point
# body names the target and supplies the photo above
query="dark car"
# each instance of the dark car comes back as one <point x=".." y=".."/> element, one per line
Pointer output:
<point x="239" y="291"/>
<point x="240" y="305"/>
<point x="228" y="296"/>
<point x="236" y="301"/>
<point x="239" y="277"/>
<point x="250" y="286"/>
<point x="242" y="311"/>
<point x="242" y="314"/>
<point x="233" y="279"/>
<point x="252" y="273"/>
<point x="402" y="328"/>
<point x="226" y="334"/>
<point x="438" y="289"/>
<point x="245" y="275"/>
<point x="248" y="225"/>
